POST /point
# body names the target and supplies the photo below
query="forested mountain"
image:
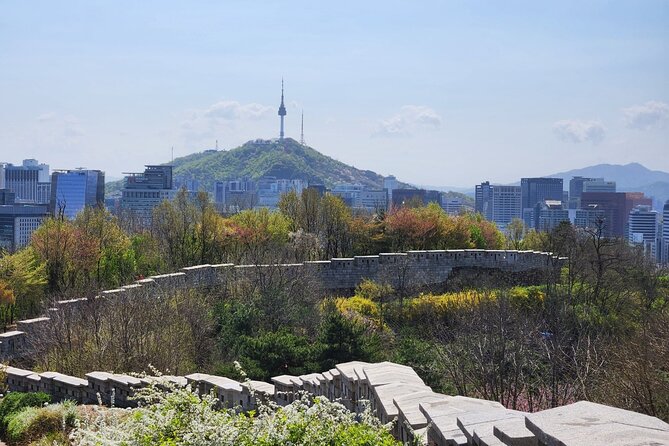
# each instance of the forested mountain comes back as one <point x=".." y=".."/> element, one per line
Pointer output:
<point x="255" y="159"/>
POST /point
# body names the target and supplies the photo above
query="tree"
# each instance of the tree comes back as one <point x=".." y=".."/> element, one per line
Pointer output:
<point x="25" y="276"/>
<point x="7" y="301"/>
<point x="341" y="338"/>
<point x="515" y="232"/>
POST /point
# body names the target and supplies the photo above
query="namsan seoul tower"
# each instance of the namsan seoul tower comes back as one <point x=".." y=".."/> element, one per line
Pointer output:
<point x="282" y="112"/>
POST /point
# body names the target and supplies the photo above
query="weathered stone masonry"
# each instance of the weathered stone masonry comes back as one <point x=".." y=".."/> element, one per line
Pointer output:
<point x="422" y="268"/>
<point x="393" y="392"/>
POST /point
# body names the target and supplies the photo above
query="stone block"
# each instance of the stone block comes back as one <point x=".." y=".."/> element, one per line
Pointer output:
<point x="596" y="425"/>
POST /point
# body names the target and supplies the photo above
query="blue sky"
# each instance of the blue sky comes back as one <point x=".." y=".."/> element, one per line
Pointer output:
<point x="435" y="92"/>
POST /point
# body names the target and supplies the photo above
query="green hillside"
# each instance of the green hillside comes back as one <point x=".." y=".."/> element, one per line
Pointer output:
<point x="282" y="159"/>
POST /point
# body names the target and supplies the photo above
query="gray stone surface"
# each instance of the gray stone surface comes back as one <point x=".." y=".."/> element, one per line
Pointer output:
<point x="596" y="425"/>
<point x="513" y="432"/>
<point x="443" y="417"/>
<point x="482" y="422"/>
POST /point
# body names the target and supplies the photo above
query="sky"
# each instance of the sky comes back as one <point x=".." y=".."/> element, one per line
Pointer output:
<point x="435" y="92"/>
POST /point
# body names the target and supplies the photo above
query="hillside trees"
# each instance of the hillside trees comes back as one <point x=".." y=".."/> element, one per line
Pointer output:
<point x="128" y="331"/>
<point x="85" y="254"/>
<point x="25" y="278"/>
<point x="327" y="217"/>
<point x="429" y="227"/>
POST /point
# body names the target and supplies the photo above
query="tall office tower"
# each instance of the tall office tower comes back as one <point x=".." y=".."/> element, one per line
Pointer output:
<point x="576" y="189"/>
<point x="537" y="190"/>
<point x="389" y="185"/>
<point x="498" y="203"/>
<point x="506" y="201"/>
<point x="145" y="190"/>
<point x="665" y="232"/>
<point x="73" y="190"/>
<point x="616" y="207"/>
<point x="25" y="180"/>
<point x="642" y="228"/>
<point x="483" y="199"/>
<point x="599" y="185"/>
<point x="18" y="221"/>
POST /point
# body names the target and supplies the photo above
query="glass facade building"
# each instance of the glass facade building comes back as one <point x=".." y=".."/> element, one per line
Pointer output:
<point x="73" y="190"/>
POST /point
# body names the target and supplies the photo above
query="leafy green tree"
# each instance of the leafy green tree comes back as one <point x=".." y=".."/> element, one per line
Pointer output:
<point x="342" y="339"/>
<point x="25" y="276"/>
<point x="277" y="353"/>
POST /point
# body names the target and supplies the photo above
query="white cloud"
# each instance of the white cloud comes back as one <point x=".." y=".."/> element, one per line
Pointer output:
<point x="648" y="115"/>
<point x="233" y="110"/>
<point x="222" y="116"/>
<point x="579" y="131"/>
<point x="63" y="129"/>
<point x="410" y="119"/>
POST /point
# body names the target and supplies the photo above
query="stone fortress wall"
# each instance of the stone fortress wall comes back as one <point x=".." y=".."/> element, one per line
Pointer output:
<point x="423" y="268"/>
<point x="393" y="392"/>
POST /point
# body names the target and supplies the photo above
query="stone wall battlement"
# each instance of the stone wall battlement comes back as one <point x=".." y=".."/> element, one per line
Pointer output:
<point x="422" y="268"/>
<point x="394" y="393"/>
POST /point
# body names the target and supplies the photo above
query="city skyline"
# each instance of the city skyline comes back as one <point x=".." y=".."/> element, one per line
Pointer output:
<point x="467" y="92"/>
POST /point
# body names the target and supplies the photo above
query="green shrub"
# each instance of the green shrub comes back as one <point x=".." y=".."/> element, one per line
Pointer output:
<point x="34" y="423"/>
<point x="16" y="401"/>
<point x="182" y="417"/>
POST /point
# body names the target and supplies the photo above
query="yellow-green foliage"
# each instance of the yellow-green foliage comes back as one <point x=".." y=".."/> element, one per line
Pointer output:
<point x="359" y="305"/>
<point x="527" y="297"/>
<point x="372" y="290"/>
<point x="430" y="306"/>
<point x="442" y="305"/>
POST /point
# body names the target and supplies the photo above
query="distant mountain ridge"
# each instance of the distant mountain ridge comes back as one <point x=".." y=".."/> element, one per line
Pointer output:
<point x="632" y="177"/>
<point x="286" y="159"/>
<point x="627" y="176"/>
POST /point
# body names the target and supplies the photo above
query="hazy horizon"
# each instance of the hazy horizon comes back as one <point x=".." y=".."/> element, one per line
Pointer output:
<point x="435" y="93"/>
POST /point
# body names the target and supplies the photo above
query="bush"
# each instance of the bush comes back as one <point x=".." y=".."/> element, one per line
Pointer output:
<point x="16" y="401"/>
<point x="34" y="423"/>
<point x="182" y="417"/>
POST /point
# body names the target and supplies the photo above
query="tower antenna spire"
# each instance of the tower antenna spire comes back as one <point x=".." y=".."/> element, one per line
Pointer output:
<point x="302" y="129"/>
<point x="282" y="112"/>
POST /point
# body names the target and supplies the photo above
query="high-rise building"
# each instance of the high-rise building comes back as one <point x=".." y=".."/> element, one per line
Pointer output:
<point x="73" y="190"/>
<point x="498" y="203"/>
<point x="270" y="189"/>
<point x="576" y="189"/>
<point x="18" y="221"/>
<point x="550" y="214"/>
<point x="506" y="202"/>
<point x="537" y="190"/>
<point x="29" y="181"/>
<point x="389" y="185"/>
<point x="665" y="233"/>
<point x="616" y="207"/>
<point x="643" y="228"/>
<point x="235" y="195"/>
<point x="483" y="199"/>
<point x="599" y="185"/>
<point x="145" y="190"/>
<point x="454" y="206"/>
